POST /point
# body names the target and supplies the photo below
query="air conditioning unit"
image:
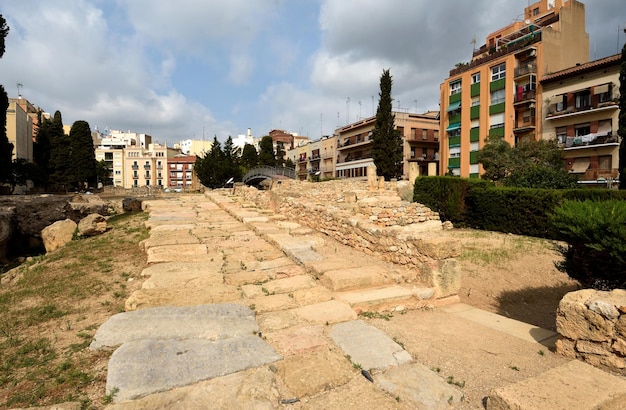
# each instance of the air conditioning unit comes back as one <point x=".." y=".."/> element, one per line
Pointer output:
<point x="532" y="53"/>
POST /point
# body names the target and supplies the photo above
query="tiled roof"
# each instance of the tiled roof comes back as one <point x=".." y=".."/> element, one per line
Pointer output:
<point x="582" y="68"/>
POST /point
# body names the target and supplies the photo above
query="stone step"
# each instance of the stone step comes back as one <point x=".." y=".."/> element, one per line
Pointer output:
<point x="574" y="385"/>
<point x="339" y="280"/>
<point x="377" y="298"/>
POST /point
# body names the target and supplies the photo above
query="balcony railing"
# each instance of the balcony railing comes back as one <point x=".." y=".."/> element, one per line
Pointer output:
<point x="598" y="173"/>
<point x="589" y="139"/>
<point x="525" y="70"/>
<point x="135" y="167"/>
<point x="525" y="96"/>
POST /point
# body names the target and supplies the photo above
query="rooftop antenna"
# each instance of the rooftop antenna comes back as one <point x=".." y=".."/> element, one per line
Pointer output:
<point x="19" y="90"/>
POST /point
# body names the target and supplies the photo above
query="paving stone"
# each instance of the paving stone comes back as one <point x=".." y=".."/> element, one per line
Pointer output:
<point x="330" y="312"/>
<point x="565" y="387"/>
<point x="141" y="367"/>
<point x="418" y="386"/>
<point x="182" y="296"/>
<point x="248" y="389"/>
<point x="353" y="395"/>
<point x="312" y="296"/>
<point x="376" y="297"/>
<point x="169" y="238"/>
<point x="304" y="255"/>
<point x="355" y="278"/>
<point x="311" y="373"/>
<point x="183" y="274"/>
<point x="368" y="346"/>
<point x="297" y="340"/>
<point x="210" y="322"/>
<point x="244" y="277"/>
<point x="172" y="253"/>
<point x="282" y="319"/>
<point x="290" y="284"/>
<point x="271" y="303"/>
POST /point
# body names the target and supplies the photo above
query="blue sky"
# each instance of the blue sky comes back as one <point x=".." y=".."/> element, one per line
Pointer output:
<point x="198" y="68"/>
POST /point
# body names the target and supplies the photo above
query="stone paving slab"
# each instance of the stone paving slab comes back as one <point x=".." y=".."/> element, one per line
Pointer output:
<point x="353" y="395"/>
<point x="355" y="278"/>
<point x="169" y="238"/>
<point x="368" y="298"/>
<point x="565" y="387"/>
<point x="418" y="386"/>
<point x="209" y="322"/>
<point x="503" y="324"/>
<point x="368" y="346"/>
<point x="248" y="389"/>
<point x="303" y="255"/>
<point x="296" y="340"/>
<point x="182" y="296"/>
<point x="141" y="367"/>
<point x="172" y="253"/>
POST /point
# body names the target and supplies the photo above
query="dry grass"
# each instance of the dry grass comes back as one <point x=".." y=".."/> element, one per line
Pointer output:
<point x="52" y="308"/>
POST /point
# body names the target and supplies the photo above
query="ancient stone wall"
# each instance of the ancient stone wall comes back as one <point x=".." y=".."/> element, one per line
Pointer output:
<point x="376" y="222"/>
<point x="592" y="325"/>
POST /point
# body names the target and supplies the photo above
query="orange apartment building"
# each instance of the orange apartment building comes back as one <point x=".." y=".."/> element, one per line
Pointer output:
<point x="498" y="93"/>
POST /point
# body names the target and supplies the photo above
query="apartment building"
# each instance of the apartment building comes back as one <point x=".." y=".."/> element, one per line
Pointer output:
<point x="181" y="173"/>
<point x="420" y="135"/>
<point x="145" y="167"/>
<point x="110" y="148"/>
<point x="21" y="126"/>
<point x="497" y="94"/>
<point x="581" y="112"/>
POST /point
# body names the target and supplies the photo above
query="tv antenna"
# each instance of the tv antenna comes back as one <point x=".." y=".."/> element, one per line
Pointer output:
<point x="19" y="90"/>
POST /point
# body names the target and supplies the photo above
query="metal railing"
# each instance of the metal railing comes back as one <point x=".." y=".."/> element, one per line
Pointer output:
<point x="269" y="172"/>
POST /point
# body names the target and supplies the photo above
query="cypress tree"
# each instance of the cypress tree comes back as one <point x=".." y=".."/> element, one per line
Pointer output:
<point x="249" y="157"/>
<point x="59" y="154"/>
<point x="266" y="154"/>
<point x="622" y="120"/>
<point x="41" y="147"/>
<point x="82" y="158"/>
<point x="387" y="141"/>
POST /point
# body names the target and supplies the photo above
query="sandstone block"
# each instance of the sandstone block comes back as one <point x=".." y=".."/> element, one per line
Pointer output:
<point x="58" y="234"/>
<point x="91" y="225"/>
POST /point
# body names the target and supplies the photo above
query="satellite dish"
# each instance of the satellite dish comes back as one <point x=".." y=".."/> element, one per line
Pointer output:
<point x="527" y="21"/>
<point x="317" y="173"/>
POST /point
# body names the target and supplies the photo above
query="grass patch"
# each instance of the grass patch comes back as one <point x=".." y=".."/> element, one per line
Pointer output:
<point x="43" y="359"/>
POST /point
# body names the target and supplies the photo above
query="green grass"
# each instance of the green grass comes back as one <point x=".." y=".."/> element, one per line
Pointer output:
<point x="47" y="320"/>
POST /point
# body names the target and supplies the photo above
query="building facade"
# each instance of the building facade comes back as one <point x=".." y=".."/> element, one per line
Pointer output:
<point x="420" y="145"/>
<point x="145" y="167"/>
<point x="21" y="128"/>
<point x="181" y="173"/>
<point x="581" y="111"/>
<point x="497" y="94"/>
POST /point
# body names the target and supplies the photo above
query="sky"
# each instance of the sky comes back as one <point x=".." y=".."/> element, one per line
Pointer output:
<point x="195" y="69"/>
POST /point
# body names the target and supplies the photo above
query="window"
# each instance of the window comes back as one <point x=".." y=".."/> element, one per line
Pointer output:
<point x="561" y="135"/>
<point x="424" y="134"/>
<point x="498" y="96"/>
<point x="179" y="167"/>
<point x="412" y="152"/>
<point x="475" y="101"/>
<point x="583" y="99"/>
<point x="455" y="87"/>
<point x="561" y="105"/>
<point x="455" y="152"/>
<point x="436" y="135"/>
<point x="535" y="11"/>
<point x="475" y="78"/>
<point x="582" y="130"/>
<point x="496" y="120"/>
<point x="108" y="156"/>
<point x="498" y="72"/>
<point x="605" y="162"/>
<point x="118" y="172"/>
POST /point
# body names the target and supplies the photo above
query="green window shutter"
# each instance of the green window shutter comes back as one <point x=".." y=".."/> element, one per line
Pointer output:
<point x="454" y="162"/>
<point x="496" y="132"/>
<point x="497" y="85"/>
<point x="474" y="176"/>
<point x="455" y="97"/>
<point x="454" y="118"/>
<point x="474" y="112"/>
<point x="475" y="90"/>
<point x="496" y="108"/>
<point x="475" y="134"/>
<point x="454" y="141"/>
<point x="473" y="157"/>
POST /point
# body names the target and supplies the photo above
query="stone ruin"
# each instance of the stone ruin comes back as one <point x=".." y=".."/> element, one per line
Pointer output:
<point x="370" y="216"/>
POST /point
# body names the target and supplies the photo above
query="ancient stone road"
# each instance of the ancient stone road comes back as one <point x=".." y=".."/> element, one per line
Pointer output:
<point x="243" y="309"/>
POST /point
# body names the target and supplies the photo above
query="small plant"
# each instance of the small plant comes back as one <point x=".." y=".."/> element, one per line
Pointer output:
<point x="455" y="382"/>
<point x="541" y="352"/>
<point x="395" y="339"/>
<point x="108" y="398"/>
<point x="252" y="307"/>
<point x="357" y="366"/>
<point x="376" y="315"/>
<point x="243" y="265"/>
<point x="515" y="368"/>
<point x="435" y="369"/>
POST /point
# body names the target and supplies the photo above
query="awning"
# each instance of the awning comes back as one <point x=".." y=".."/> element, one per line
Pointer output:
<point x="454" y="106"/>
<point x="453" y="126"/>
<point x="580" y="166"/>
<point x="601" y="89"/>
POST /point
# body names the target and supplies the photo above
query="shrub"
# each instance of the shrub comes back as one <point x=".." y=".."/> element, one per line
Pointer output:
<point x="595" y="232"/>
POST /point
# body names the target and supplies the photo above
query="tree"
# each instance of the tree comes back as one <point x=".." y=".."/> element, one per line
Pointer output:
<point x="82" y="158"/>
<point x="531" y="164"/>
<point x="210" y="168"/>
<point x="249" y="157"/>
<point x="230" y="162"/>
<point x="622" y="120"/>
<point x="41" y="147"/>
<point x="266" y="154"/>
<point x="59" y="154"/>
<point x="6" y="148"/>
<point x="387" y="141"/>
<point x="280" y="154"/>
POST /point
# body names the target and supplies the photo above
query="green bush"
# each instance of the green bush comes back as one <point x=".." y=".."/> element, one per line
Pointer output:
<point x="595" y="232"/>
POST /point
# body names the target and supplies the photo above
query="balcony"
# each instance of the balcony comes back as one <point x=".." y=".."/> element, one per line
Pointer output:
<point x="135" y="167"/>
<point x="525" y="97"/>
<point x="525" y="70"/>
<point x="581" y="102"/>
<point x="588" y="140"/>
<point x="146" y="166"/>
<point x="596" y="174"/>
<point x="525" y="124"/>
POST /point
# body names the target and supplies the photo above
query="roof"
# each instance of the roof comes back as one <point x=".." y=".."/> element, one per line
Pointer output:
<point x="582" y="68"/>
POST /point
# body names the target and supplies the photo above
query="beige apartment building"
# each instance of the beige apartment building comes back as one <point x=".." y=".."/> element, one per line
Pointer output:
<point x="581" y="112"/>
<point x="498" y="93"/>
<point x="21" y="126"/>
<point x="420" y="136"/>
<point x="145" y="167"/>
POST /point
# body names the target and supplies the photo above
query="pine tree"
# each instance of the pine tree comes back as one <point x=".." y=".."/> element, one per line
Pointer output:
<point x="280" y="154"/>
<point x="387" y="141"/>
<point x="622" y="120"/>
<point x="249" y="157"/>
<point x="210" y="168"/>
<point x="59" y="154"/>
<point x="82" y="158"/>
